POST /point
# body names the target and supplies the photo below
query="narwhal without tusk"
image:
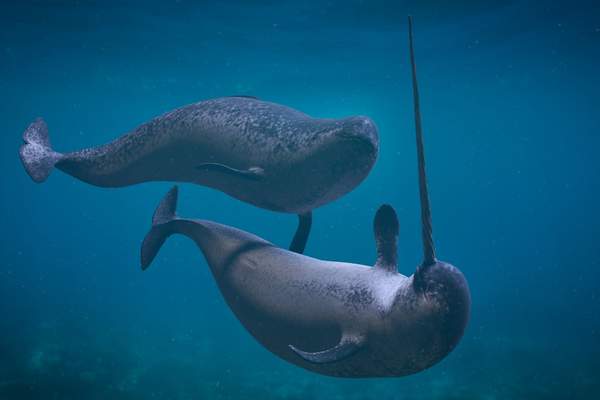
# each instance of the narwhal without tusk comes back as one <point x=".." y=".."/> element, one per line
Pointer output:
<point x="333" y="318"/>
<point x="259" y="152"/>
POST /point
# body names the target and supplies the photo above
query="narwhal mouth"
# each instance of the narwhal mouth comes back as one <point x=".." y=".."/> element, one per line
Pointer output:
<point x="361" y="131"/>
<point x="366" y="143"/>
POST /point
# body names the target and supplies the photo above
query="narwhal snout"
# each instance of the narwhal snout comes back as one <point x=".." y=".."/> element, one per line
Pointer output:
<point x="447" y="285"/>
<point x="440" y="277"/>
<point x="362" y="130"/>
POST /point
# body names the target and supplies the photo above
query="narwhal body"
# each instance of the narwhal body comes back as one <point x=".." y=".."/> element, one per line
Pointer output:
<point x="334" y="318"/>
<point x="259" y="152"/>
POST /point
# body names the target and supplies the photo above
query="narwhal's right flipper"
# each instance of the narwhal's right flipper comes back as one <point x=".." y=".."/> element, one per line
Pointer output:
<point x="301" y="236"/>
<point x="348" y="345"/>
<point x="386" y="229"/>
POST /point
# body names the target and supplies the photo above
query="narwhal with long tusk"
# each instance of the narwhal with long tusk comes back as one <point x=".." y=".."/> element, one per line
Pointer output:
<point x="333" y="318"/>
<point x="259" y="152"/>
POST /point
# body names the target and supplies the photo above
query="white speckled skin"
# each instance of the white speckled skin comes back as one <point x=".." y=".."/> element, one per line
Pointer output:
<point x="404" y="324"/>
<point x="307" y="162"/>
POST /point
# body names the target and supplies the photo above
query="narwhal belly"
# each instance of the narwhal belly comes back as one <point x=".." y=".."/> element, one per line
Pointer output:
<point x="284" y="300"/>
<point x="168" y="148"/>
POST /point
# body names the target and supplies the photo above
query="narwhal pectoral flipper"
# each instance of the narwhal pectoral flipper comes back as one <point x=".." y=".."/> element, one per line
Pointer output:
<point x="252" y="173"/>
<point x="386" y="229"/>
<point x="301" y="236"/>
<point x="349" y="344"/>
<point x="36" y="152"/>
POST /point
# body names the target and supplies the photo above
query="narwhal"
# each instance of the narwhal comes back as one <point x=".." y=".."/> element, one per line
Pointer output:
<point x="334" y="318"/>
<point x="263" y="153"/>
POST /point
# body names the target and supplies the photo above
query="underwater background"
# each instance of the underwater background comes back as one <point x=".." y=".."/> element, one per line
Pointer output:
<point x="512" y="133"/>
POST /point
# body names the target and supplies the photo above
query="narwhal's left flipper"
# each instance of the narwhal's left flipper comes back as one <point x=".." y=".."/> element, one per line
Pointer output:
<point x="301" y="236"/>
<point x="348" y="345"/>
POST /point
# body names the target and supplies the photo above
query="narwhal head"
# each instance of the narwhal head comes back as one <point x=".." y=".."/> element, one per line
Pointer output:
<point x="337" y="156"/>
<point x="444" y="285"/>
<point x="352" y="146"/>
<point x="352" y="143"/>
<point x="359" y="131"/>
<point x="348" y="148"/>
<point x="426" y="320"/>
<point x="428" y="313"/>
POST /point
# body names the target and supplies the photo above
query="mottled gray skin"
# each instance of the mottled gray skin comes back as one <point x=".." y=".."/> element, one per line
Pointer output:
<point x="303" y="162"/>
<point x="396" y="325"/>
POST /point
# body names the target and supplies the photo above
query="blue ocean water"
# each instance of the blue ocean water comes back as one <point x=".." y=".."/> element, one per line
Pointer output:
<point x="511" y="115"/>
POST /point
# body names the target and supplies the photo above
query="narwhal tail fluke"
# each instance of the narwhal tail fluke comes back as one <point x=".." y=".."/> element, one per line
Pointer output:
<point x="427" y="230"/>
<point x="36" y="152"/>
<point x="162" y="227"/>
